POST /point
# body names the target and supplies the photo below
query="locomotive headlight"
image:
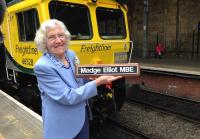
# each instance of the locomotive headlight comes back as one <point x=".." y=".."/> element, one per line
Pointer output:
<point x="120" y="57"/>
<point x="92" y="1"/>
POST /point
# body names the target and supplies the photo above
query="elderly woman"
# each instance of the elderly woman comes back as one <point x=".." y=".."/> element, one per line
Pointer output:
<point x="64" y="96"/>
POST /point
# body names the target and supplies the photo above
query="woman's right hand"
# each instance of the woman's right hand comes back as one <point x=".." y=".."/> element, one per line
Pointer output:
<point x="106" y="79"/>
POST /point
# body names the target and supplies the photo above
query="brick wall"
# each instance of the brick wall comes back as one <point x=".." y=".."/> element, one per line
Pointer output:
<point x="162" y="25"/>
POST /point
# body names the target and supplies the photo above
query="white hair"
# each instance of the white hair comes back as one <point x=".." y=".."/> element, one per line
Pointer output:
<point x="41" y="33"/>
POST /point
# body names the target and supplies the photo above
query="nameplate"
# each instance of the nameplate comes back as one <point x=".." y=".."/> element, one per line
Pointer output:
<point x="130" y="69"/>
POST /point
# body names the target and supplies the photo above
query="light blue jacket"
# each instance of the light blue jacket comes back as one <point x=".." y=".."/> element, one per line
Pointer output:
<point x="63" y="96"/>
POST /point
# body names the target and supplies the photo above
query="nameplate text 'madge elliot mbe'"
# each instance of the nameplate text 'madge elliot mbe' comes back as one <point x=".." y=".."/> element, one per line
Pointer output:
<point x="129" y="69"/>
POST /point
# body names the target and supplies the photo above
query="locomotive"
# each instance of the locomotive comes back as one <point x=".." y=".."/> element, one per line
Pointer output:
<point x="99" y="35"/>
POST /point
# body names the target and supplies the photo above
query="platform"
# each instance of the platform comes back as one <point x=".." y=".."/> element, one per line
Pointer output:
<point x="17" y="121"/>
<point x="183" y="66"/>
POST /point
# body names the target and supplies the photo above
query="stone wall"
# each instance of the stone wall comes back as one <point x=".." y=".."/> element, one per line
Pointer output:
<point x="163" y="25"/>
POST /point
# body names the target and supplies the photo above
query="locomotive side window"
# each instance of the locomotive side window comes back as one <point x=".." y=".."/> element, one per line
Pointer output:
<point x="28" y="23"/>
<point x="75" y="16"/>
<point x="111" y="24"/>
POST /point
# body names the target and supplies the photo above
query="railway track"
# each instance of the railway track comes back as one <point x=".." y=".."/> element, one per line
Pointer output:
<point x="187" y="109"/>
<point x="115" y="129"/>
<point x="133" y="132"/>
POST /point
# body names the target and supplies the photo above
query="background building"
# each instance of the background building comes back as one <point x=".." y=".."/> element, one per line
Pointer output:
<point x="171" y="22"/>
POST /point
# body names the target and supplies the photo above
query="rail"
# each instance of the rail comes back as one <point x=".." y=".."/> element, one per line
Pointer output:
<point x="187" y="109"/>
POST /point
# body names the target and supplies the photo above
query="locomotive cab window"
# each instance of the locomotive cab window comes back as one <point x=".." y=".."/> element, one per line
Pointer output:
<point x="76" y="18"/>
<point x="111" y="24"/>
<point x="28" y="23"/>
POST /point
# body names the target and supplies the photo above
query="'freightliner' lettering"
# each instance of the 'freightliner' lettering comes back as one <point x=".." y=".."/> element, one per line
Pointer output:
<point x="97" y="47"/>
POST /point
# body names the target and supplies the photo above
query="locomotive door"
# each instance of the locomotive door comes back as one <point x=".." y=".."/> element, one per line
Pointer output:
<point x="11" y="38"/>
<point x="10" y="34"/>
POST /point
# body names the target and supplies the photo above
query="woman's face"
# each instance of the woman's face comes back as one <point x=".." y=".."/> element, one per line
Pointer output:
<point x="56" y="41"/>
